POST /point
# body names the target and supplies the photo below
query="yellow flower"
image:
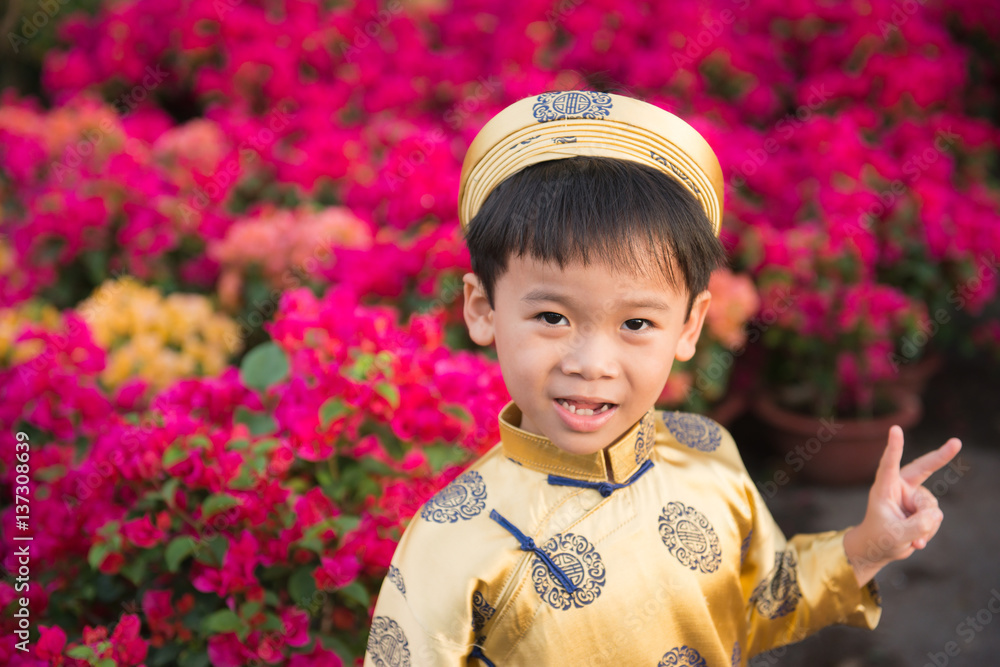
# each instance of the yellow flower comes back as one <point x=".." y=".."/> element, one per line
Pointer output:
<point x="156" y="338"/>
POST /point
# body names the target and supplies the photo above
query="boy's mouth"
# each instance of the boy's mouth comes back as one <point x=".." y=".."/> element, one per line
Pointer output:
<point x="585" y="407"/>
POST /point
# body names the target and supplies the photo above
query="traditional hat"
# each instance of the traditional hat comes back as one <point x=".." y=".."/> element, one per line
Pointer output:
<point x="558" y="125"/>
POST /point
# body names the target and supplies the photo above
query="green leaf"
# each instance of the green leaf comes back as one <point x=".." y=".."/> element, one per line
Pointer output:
<point x="249" y="608"/>
<point x="134" y="570"/>
<point x="259" y="423"/>
<point x="458" y="411"/>
<point x="199" y="441"/>
<point x="264" y="366"/>
<point x="179" y="549"/>
<point x="272" y="622"/>
<point x="389" y="392"/>
<point x="82" y="652"/>
<point x="441" y="455"/>
<point x="302" y="585"/>
<point x="224" y="620"/>
<point x="169" y="490"/>
<point x="245" y="481"/>
<point x="97" y="554"/>
<point x="345" y="523"/>
<point x="332" y="408"/>
<point x="174" y="454"/>
<point x="238" y="444"/>
<point x="194" y="659"/>
<point x="355" y="591"/>
<point x="217" y="502"/>
<point x="105" y="662"/>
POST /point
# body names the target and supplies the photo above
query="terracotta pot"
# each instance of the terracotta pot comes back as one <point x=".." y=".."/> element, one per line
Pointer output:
<point x="913" y="377"/>
<point x="834" y="451"/>
<point x="729" y="408"/>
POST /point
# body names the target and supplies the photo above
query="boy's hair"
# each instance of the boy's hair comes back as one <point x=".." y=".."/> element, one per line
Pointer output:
<point x="595" y="208"/>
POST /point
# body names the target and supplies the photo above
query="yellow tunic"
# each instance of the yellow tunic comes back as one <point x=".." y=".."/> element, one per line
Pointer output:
<point x="666" y="555"/>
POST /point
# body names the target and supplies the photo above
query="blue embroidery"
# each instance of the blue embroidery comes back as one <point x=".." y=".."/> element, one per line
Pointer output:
<point x="737" y="655"/>
<point x="645" y="438"/>
<point x="463" y="499"/>
<point x="528" y="544"/>
<point x="396" y="577"/>
<point x="580" y="562"/>
<point x="482" y="611"/>
<point x="564" y="140"/>
<point x="695" y="431"/>
<point x="682" y="656"/>
<point x="477" y="652"/>
<point x="604" y="488"/>
<point x="515" y="461"/>
<point x="874" y="591"/>
<point x="572" y="104"/>
<point x="689" y="536"/>
<point x="387" y="643"/>
<point x="779" y="593"/>
<point x="677" y="172"/>
<point x="522" y="143"/>
<point x="744" y="546"/>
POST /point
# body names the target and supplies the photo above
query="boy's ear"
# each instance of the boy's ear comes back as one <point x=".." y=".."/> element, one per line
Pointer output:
<point x="692" y="328"/>
<point x="478" y="312"/>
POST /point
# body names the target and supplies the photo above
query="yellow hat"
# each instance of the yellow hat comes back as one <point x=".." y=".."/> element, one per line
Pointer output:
<point x="563" y="124"/>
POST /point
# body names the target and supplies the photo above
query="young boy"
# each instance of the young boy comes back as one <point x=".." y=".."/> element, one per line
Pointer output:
<point x="600" y="531"/>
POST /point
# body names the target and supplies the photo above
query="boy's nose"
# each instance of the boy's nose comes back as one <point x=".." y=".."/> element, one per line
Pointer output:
<point x="590" y="357"/>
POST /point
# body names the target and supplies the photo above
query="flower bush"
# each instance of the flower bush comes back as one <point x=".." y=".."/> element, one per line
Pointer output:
<point x="298" y="163"/>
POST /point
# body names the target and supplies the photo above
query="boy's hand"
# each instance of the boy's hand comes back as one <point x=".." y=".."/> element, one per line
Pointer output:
<point x="902" y="515"/>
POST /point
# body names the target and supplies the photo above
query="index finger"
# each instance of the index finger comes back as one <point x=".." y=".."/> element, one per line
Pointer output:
<point x="888" y="466"/>
<point x="917" y="471"/>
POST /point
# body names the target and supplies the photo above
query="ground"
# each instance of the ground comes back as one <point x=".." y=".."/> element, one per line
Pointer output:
<point x="937" y="601"/>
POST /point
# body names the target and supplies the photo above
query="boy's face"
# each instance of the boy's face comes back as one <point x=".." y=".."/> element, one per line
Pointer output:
<point x="583" y="336"/>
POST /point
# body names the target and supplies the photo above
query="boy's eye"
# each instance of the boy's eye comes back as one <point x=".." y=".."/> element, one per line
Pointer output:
<point x="549" y="318"/>
<point x="636" y="324"/>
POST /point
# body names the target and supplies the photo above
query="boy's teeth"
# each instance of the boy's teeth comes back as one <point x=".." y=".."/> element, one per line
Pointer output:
<point x="583" y="411"/>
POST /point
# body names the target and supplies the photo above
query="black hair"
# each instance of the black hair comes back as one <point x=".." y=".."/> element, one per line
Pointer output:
<point x="595" y="208"/>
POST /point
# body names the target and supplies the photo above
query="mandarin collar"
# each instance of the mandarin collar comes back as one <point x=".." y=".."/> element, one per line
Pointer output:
<point x="624" y="456"/>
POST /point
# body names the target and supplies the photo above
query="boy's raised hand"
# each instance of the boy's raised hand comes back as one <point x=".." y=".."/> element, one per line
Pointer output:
<point x="902" y="515"/>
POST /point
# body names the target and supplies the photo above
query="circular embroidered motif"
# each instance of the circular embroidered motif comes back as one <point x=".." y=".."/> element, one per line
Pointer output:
<point x="463" y="499"/>
<point x="571" y="104"/>
<point x="689" y="536"/>
<point x="581" y="563"/>
<point x="387" y="643"/>
<point x="645" y="438"/>
<point x="482" y="611"/>
<point x="779" y="593"/>
<point x="695" y="431"/>
<point x="745" y="546"/>
<point x="737" y="655"/>
<point x="396" y="577"/>
<point x="682" y="656"/>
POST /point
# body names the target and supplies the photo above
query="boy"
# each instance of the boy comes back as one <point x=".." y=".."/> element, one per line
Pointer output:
<point x="601" y="531"/>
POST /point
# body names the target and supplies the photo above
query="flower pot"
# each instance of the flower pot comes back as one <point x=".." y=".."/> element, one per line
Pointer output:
<point x="834" y="450"/>
<point x="726" y="411"/>
<point x="913" y="377"/>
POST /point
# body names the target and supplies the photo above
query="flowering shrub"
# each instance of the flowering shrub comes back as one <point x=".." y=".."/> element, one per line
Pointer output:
<point x="264" y="503"/>
<point x="217" y="147"/>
